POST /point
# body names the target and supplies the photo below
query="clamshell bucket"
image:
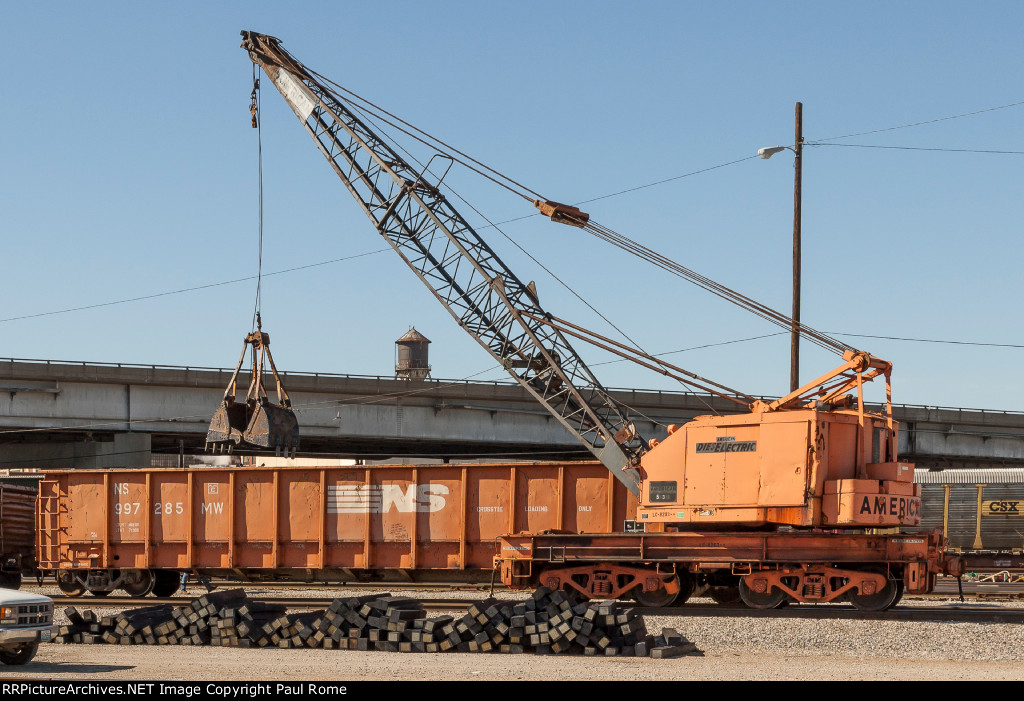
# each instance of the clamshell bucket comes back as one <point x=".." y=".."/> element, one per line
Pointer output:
<point x="255" y="422"/>
<point x="228" y="424"/>
<point x="273" y="427"/>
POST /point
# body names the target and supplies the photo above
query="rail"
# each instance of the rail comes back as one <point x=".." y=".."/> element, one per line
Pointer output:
<point x="950" y="613"/>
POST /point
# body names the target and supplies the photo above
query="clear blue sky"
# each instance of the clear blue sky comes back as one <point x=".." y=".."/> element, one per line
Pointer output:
<point x="129" y="169"/>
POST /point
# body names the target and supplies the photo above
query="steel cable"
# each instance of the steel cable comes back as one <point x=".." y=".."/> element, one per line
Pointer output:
<point x="371" y="117"/>
<point x="258" y="124"/>
<point x="765" y="312"/>
<point x="605" y="233"/>
<point x="433" y="142"/>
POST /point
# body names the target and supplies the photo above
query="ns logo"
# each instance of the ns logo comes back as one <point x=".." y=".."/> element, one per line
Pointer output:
<point x="380" y="499"/>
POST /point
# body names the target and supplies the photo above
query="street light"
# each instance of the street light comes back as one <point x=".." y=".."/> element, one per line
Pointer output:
<point x="766" y="153"/>
<point x="770" y="151"/>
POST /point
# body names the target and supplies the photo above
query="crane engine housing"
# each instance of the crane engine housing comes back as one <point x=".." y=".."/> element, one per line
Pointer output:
<point x="802" y="468"/>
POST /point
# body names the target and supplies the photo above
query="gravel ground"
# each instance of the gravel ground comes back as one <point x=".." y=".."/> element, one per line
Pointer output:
<point x="734" y="648"/>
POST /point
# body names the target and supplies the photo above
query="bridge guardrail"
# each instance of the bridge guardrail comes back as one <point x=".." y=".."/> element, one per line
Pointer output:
<point x="441" y="381"/>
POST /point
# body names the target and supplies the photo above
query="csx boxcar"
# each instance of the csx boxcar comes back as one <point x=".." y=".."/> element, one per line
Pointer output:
<point x="135" y="529"/>
<point x="977" y="510"/>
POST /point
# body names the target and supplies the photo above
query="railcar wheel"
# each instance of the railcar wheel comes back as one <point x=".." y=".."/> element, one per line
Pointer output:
<point x="69" y="585"/>
<point x="899" y="594"/>
<point x="661" y="598"/>
<point x="138" y="583"/>
<point x="655" y="599"/>
<point x="725" y="595"/>
<point x="774" y="598"/>
<point x="882" y="600"/>
<point x="10" y="580"/>
<point x="166" y="583"/>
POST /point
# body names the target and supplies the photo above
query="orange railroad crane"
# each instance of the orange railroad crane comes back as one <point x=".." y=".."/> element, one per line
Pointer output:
<point x="816" y="460"/>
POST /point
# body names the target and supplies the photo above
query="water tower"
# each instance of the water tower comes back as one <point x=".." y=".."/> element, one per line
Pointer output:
<point x="412" y="356"/>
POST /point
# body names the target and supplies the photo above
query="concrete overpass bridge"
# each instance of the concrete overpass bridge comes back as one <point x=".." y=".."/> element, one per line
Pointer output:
<point x="59" y="414"/>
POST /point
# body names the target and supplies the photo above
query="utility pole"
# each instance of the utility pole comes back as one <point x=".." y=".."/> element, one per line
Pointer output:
<point x="794" y="357"/>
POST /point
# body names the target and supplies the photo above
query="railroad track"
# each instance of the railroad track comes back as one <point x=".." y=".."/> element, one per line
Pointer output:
<point x="378" y="585"/>
<point x="947" y="587"/>
<point x="305" y="603"/>
<point x="961" y="613"/>
<point x="977" y="614"/>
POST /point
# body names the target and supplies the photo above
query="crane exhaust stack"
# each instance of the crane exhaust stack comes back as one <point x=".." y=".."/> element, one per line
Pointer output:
<point x="255" y="422"/>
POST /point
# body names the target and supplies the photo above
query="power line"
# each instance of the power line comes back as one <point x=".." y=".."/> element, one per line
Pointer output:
<point x="706" y="345"/>
<point x="917" y="148"/>
<point x="666" y="180"/>
<point x="489" y="225"/>
<point x="933" y="340"/>
<point x="308" y="454"/>
<point x="192" y="289"/>
<point x="929" y="121"/>
<point x="834" y="333"/>
<point x="623" y="192"/>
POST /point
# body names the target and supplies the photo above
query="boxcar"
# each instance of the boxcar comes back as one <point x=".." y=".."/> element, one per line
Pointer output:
<point x="17" y="533"/>
<point x="977" y="510"/>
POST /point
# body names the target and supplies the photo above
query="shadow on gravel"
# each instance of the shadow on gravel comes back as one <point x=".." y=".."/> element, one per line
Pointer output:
<point x="70" y="668"/>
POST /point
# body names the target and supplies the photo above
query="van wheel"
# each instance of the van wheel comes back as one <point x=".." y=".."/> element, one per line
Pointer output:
<point x="20" y="655"/>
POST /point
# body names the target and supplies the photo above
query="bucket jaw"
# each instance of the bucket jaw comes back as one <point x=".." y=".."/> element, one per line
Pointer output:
<point x="255" y="422"/>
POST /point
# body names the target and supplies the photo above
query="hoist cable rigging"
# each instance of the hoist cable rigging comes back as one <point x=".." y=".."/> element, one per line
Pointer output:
<point x="411" y="213"/>
<point x="571" y="215"/>
<point x="255" y="421"/>
<point x="458" y="267"/>
<point x="637" y="350"/>
<point x="254" y="110"/>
